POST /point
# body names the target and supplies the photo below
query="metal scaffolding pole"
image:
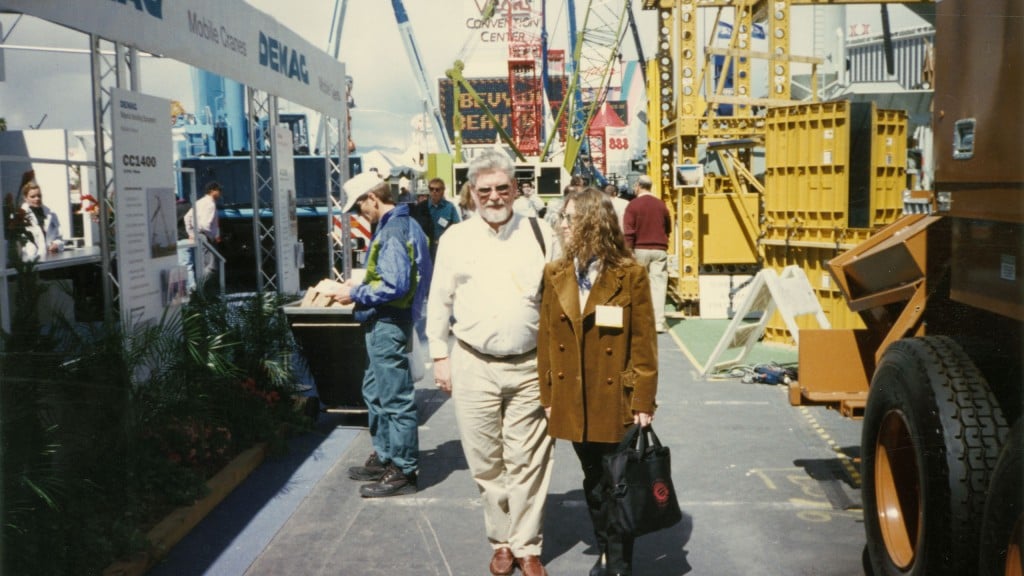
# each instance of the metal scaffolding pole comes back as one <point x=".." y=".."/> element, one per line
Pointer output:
<point x="108" y="70"/>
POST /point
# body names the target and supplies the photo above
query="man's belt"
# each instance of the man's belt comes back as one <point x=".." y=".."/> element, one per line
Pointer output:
<point x="497" y="357"/>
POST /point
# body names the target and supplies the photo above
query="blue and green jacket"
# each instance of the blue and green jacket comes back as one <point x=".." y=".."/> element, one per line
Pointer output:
<point x="398" y="272"/>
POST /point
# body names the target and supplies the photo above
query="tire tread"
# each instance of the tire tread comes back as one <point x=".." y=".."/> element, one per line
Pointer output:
<point x="960" y="430"/>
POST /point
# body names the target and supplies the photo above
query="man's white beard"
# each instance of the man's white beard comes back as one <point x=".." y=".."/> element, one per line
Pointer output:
<point x="495" y="214"/>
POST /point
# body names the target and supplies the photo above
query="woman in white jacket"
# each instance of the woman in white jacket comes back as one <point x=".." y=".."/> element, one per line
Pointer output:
<point x="43" y="224"/>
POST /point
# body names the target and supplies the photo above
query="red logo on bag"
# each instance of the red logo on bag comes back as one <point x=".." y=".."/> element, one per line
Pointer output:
<point x="661" y="492"/>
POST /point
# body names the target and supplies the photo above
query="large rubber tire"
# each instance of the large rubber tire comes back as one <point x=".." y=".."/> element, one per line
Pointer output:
<point x="932" y="432"/>
<point x="1002" y="528"/>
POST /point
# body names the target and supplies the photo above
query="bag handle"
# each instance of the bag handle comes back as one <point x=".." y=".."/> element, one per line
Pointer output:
<point x="640" y="440"/>
<point x="630" y="439"/>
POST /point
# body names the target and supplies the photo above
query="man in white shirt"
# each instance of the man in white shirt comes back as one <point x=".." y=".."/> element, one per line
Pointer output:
<point x="203" y="217"/>
<point x="528" y="203"/>
<point x="487" y="276"/>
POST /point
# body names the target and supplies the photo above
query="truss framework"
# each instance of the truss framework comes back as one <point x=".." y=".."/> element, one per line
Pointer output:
<point x="109" y="69"/>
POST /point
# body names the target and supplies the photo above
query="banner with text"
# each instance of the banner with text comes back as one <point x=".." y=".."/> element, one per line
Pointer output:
<point x="228" y="37"/>
<point x="147" y="231"/>
<point x="476" y="126"/>
<point x="286" y="224"/>
<point x="616" y="150"/>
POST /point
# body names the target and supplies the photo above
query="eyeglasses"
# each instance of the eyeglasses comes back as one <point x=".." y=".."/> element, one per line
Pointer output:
<point x="436" y="188"/>
<point x="567" y="216"/>
<point x="500" y="189"/>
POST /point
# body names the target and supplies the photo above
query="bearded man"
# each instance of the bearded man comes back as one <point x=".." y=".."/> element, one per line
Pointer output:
<point x="486" y="292"/>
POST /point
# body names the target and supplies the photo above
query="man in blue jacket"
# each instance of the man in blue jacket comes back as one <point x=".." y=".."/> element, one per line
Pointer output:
<point x="389" y="301"/>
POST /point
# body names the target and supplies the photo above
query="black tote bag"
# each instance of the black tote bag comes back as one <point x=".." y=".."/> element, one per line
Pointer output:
<point x="637" y="484"/>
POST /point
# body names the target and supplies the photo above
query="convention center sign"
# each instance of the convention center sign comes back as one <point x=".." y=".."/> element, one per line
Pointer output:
<point x="227" y="37"/>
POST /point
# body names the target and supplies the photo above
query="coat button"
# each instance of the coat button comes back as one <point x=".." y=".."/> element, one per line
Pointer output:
<point x="561" y="347"/>
<point x="561" y="375"/>
<point x="562" y="317"/>
<point x="608" y="351"/>
<point x="609" y="381"/>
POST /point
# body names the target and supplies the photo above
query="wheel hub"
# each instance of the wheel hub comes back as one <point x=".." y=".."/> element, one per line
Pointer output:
<point x="897" y="489"/>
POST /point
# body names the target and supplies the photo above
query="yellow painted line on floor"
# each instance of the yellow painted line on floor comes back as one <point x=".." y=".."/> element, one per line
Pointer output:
<point x="686" y="351"/>
<point x="844" y="458"/>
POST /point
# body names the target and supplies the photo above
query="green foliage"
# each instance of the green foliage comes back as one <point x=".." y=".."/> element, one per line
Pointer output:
<point x="31" y="486"/>
<point x="107" y="428"/>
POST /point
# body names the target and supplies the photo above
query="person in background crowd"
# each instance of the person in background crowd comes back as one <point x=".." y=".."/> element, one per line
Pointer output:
<point x="41" y="222"/>
<point x="442" y="212"/>
<point x="467" y="205"/>
<point x="646" y="226"/>
<point x="404" y="193"/>
<point x="387" y="303"/>
<point x="553" y="215"/>
<point x="203" y="218"/>
<point x="596" y="328"/>
<point x="527" y="203"/>
<point x="420" y="212"/>
<point x="488" y="277"/>
<point x="619" y="204"/>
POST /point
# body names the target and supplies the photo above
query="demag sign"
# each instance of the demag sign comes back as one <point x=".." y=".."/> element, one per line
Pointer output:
<point x="228" y="37"/>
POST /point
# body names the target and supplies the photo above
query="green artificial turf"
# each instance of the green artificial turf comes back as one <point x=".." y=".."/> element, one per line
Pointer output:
<point x="699" y="338"/>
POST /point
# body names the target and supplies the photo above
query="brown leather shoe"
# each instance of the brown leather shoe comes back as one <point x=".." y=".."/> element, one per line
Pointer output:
<point x="503" y="563"/>
<point x="531" y="566"/>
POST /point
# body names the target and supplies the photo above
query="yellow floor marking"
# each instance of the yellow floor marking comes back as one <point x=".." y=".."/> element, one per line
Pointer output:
<point x="686" y="351"/>
<point x="844" y="458"/>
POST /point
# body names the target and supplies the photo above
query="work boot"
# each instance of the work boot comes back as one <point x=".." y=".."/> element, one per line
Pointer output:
<point x="393" y="483"/>
<point x="372" y="470"/>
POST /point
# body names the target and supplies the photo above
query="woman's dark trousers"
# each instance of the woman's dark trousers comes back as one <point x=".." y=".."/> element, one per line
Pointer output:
<point x="617" y="548"/>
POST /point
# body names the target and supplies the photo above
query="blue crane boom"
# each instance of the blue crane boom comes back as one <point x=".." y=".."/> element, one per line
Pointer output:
<point x="420" y="72"/>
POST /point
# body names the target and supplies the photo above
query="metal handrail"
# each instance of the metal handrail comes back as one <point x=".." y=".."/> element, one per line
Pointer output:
<point x="205" y="244"/>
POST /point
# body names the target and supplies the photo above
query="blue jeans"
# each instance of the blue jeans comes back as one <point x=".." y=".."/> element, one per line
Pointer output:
<point x="390" y="396"/>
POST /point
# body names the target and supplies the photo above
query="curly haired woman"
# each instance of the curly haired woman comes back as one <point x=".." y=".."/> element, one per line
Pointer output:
<point x="597" y="352"/>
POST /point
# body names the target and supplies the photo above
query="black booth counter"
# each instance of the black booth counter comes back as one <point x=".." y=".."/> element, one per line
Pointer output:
<point x="334" y="348"/>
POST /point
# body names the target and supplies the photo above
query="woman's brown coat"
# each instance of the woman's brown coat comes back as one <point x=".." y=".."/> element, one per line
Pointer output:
<point x="594" y="377"/>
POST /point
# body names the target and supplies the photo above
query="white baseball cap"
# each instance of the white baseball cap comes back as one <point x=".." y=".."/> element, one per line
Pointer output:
<point x="359" y="186"/>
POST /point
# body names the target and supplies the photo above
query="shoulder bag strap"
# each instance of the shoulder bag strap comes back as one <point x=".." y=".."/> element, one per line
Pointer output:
<point x="540" y="237"/>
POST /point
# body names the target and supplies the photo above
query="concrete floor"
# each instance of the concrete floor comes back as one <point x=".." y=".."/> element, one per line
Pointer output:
<point x="766" y="489"/>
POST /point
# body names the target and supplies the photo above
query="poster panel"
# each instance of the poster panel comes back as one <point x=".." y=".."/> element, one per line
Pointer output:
<point x="286" y="224"/>
<point x="146" y="229"/>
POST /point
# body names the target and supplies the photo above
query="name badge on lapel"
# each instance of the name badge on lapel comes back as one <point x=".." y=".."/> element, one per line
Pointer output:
<point x="608" y="316"/>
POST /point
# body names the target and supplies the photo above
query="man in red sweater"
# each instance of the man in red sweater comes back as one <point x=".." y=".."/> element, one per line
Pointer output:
<point x="646" y="226"/>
